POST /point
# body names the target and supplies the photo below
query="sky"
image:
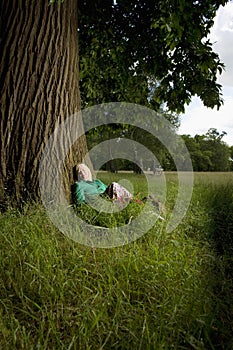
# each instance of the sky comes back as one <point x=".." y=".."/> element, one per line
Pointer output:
<point x="198" y="118"/>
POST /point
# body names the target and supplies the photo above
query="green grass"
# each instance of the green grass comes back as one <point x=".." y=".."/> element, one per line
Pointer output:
<point x="163" y="291"/>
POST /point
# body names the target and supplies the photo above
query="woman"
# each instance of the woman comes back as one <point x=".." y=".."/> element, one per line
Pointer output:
<point x="85" y="189"/>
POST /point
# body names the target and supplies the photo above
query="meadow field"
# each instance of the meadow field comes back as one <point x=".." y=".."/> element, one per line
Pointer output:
<point x="165" y="290"/>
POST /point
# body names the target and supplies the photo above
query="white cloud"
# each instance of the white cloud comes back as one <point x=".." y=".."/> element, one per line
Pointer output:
<point x="198" y="119"/>
<point x="222" y="37"/>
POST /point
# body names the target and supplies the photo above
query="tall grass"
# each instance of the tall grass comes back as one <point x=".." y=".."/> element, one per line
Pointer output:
<point x="163" y="291"/>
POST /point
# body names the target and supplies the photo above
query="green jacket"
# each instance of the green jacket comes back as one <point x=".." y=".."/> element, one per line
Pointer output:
<point x="85" y="191"/>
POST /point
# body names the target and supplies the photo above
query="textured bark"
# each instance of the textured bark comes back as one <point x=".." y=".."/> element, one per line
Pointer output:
<point x="38" y="89"/>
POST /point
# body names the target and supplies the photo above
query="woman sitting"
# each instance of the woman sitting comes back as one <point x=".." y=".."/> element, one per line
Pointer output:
<point x="85" y="189"/>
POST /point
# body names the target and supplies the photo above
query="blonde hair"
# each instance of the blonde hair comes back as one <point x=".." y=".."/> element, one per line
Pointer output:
<point x="82" y="172"/>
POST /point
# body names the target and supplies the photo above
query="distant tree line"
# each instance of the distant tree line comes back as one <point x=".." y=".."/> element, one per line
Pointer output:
<point x="208" y="152"/>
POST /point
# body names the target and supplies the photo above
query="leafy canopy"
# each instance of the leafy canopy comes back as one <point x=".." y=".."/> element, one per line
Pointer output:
<point x="148" y="52"/>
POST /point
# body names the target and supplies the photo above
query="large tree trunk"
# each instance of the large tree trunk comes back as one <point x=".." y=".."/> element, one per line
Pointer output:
<point x="38" y="89"/>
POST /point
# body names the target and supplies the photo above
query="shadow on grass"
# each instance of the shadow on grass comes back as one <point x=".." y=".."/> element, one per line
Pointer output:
<point x="220" y="207"/>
